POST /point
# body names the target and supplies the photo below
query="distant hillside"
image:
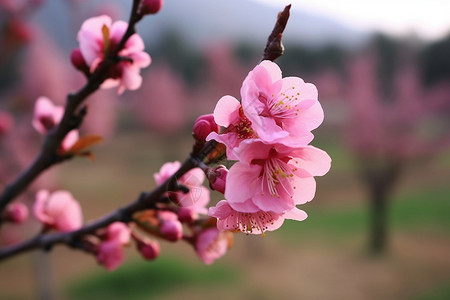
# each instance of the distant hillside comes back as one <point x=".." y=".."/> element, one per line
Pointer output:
<point x="205" y="21"/>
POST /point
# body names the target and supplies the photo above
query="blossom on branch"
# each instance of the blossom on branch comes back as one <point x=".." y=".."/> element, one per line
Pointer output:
<point x="47" y="116"/>
<point x="211" y="244"/>
<point x="268" y="134"/>
<point x="99" y="36"/>
<point x="110" y="252"/>
<point x="58" y="210"/>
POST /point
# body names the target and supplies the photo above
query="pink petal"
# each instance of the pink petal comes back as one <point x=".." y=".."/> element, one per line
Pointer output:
<point x="226" y="111"/>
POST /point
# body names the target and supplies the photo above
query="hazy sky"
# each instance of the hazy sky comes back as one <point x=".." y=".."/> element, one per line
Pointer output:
<point x="428" y="18"/>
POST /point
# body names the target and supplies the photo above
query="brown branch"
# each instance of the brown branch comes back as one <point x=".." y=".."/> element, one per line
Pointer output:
<point x="274" y="47"/>
<point x="72" y="119"/>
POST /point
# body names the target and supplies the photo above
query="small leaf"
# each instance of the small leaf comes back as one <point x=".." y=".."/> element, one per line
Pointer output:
<point x="85" y="142"/>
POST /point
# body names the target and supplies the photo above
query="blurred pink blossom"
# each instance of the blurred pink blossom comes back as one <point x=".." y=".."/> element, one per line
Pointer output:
<point x="110" y="254"/>
<point x="170" y="227"/>
<point x="166" y="92"/>
<point x="149" y="249"/>
<point x="198" y="196"/>
<point x="47" y="116"/>
<point x="98" y="36"/>
<point x="58" y="210"/>
<point x="212" y="244"/>
<point x="120" y="232"/>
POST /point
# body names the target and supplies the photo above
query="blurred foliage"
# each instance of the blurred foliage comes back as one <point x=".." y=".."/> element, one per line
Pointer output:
<point x="407" y="212"/>
<point x="141" y="280"/>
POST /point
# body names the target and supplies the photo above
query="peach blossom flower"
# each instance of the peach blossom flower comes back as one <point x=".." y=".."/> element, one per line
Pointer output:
<point x="98" y="36"/>
<point x="256" y="222"/>
<point x="110" y="252"/>
<point x="58" y="210"/>
<point x="212" y="244"/>
<point x="273" y="177"/>
<point x="47" y="116"/>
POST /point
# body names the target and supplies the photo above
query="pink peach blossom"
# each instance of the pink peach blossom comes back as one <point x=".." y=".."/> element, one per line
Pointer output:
<point x="120" y="232"/>
<point x="110" y="254"/>
<point x="198" y="196"/>
<point x="228" y="219"/>
<point x="47" y="116"/>
<point x="280" y="109"/>
<point x="98" y="36"/>
<point x="58" y="210"/>
<point x="212" y="244"/>
<point x="274" y="177"/>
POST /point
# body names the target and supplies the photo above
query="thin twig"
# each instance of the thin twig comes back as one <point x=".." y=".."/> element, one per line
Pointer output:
<point x="274" y="47"/>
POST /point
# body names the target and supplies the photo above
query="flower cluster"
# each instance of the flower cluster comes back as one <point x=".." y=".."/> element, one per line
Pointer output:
<point x="98" y="37"/>
<point x="268" y="133"/>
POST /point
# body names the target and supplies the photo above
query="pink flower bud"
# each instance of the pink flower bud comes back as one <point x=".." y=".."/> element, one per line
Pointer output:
<point x="46" y="115"/>
<point x="6" y="122"/>
<point x="119" y="232"/>
<point x="187" y="214"/>
<point x="58" y="210"/>
<point x="149" y="249"/>
<point x="148" y="7"/>
<point x="110" y="254"/>
<point x="217" y="178"/>
<point x="204" y="125"/>
<point x="16" y="212"/>
<point x="77" y="59"/>
<point x="172" y="230"/>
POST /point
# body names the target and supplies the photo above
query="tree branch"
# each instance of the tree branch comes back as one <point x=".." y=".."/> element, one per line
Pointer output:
<point x="49" y="153"/>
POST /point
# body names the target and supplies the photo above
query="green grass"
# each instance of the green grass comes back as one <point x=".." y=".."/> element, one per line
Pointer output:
<point x="424" y="209"/>
<point x="147" y="280"/>
<point x="441" y="293"/>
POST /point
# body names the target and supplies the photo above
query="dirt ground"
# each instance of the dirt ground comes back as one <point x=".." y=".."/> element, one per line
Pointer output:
<point x="272" y="267"/>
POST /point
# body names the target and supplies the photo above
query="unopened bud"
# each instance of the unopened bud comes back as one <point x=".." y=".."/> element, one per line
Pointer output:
<point x="16" y="212"/>
<point x="204" y="125"/>
<point x="172" y="230"/>
<point x="77" y="59"/>
<point x="187" y="214"/>
<point x="148" y="249"/>
<point x="148" y="7"/>
<point x="217" y="178"/>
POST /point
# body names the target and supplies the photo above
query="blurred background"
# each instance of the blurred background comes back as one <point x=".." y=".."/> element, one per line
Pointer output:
<point x="379" y="226"/>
